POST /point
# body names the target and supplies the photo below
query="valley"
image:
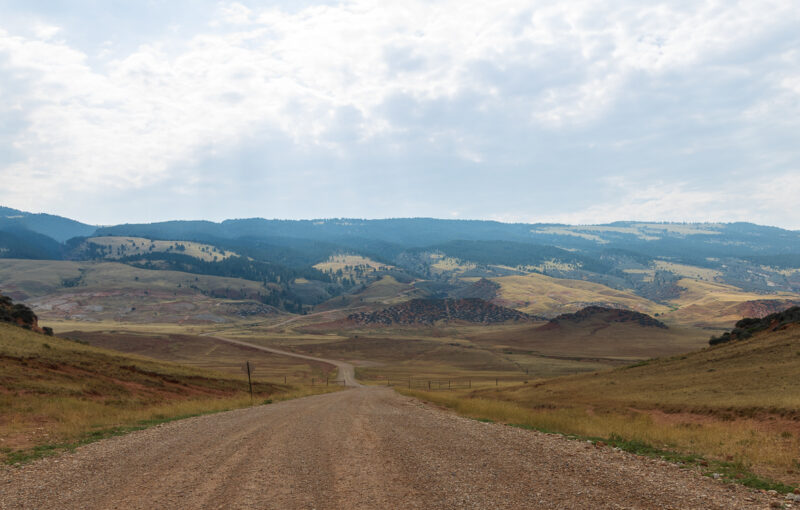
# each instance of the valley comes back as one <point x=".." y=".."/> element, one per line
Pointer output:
<point x="583" y="337"/>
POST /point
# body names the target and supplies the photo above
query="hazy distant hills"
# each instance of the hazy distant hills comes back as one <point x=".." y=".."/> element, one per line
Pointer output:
<point x="694" y="272"/>
<point x="58" y="228"/>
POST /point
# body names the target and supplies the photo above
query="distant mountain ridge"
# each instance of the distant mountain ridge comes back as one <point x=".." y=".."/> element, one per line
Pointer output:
<point x="445" y="258"/>
<point x="56" y="227"/>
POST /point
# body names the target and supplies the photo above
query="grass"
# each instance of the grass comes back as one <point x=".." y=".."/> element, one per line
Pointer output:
<point x="56" y="392"/>
<point x="205" y="352"/>
<point x="110" y="291"/>
<point x="734" y="405"/>
<point x="119" y="246"/>
<point x="632" y="433"/>
<point x="358" y="267"/>
<point x="713" y="304"/>
<point x="543" y="295"/>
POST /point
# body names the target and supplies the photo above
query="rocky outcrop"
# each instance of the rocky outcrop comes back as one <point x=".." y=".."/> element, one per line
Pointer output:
<point x="763" y="307"/>
<point x="747" y="327"/>
<point x="607" y="315"/>
<point x="430" y="311"/>
<point x="19" y="315"/>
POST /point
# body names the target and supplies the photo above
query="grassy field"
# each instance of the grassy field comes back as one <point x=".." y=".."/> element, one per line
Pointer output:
<point x="89" y="291"/>
<point x="56" y="392"/>
<point x="542" y="295"/>
<point x="399" y="353"/>
<point x="715" y="305"/>
<point x="357" y="267"/>
<point x="121" y="246"/>
<point x="737" y="403"/>
<point x="205" y="352"/>
<point x="593" y="339"/>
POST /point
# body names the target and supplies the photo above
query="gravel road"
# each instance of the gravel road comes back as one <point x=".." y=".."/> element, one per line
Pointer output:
<point x="355" y="449"/>
<point x="346" y="372"/>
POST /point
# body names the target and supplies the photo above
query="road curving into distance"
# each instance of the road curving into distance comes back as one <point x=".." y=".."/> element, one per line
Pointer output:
<point x="362" y="448"/>
<point x="346" y="372"/>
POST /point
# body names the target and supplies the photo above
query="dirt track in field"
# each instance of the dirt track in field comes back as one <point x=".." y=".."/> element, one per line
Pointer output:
<point x="346" y="373"/>
<point x="355" y="449"/>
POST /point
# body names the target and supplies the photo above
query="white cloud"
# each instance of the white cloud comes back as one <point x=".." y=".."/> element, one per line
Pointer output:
<point x="769" y="201"/>
<point x="323" y="75"/>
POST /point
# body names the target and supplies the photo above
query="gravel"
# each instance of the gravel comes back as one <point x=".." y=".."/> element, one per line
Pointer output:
<point x="357" y="449"/>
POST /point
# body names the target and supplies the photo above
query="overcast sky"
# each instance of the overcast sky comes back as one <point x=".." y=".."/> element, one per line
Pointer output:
<point x="575" y="112"/>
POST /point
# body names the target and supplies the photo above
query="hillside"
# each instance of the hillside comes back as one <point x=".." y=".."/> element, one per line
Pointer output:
<point x="598" y="333"/>
<point x="602" y="314"/>
<point x="756" y="375"/>
<point x="547" y="296"/>
<point x="715" y="305"/>
<point x="482" y="289"/>
<point x="738" y="400"/>
<point x="61" y="290"/>
<point x="746" y="328"/>
<point x="431" y="311"/>
<point x="54" y="390"/>
<point x="56" y="227"/>
<point x="121" y="247"/>
<point x="705" y="275"/>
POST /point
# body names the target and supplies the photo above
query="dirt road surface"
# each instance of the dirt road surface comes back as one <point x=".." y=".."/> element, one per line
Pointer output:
<point x="361" y="448"/>
<point x="346" y="373"/>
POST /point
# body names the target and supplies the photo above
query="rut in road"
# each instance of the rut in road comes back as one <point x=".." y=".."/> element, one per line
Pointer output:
<point x="362" y="448"/>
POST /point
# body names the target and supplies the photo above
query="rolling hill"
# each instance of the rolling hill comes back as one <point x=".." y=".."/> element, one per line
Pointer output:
<point x="94" y="291"/>
<point x="55" y="391"/>
<point x="597" y="332"/>
<point x="538" y="294"/>
<point x="431" y="311"/>
<point x="56" y="227"/>
<point x="705" y="275"/>
<point x="736" y="403"/>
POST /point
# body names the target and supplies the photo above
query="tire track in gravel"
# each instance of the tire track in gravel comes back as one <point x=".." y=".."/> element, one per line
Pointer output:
<point x="362" y="448"/>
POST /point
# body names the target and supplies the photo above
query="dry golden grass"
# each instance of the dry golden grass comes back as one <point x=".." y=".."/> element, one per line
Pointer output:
<point x="543" y="295"/>
<point x="54" y="390"/>
<point x="698" y="273"/>
<point x="712" y="304"/>
<point x="595" y="339"/>
<point x="139" y="246"/>
<point x="110" y="291"/>
<point x="352" y="266"/>
<point x="40" y="277"/>
<point x="441" y="263"/>
<point x="205" y="352"/>
<point x="771" y="453"/>
<point x="739" y="401"/>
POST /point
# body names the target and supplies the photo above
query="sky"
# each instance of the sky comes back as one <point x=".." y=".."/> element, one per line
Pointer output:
<point x="519" y="111"/>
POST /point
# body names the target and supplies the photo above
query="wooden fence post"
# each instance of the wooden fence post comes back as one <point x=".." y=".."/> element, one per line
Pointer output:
<point x="250" y="383"/>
